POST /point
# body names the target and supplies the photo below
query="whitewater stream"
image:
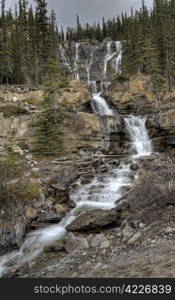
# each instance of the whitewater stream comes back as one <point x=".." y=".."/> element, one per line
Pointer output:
<point x="104" y="190"/>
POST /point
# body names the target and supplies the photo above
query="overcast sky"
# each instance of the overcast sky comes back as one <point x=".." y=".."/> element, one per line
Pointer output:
<point x="88" y="10"/>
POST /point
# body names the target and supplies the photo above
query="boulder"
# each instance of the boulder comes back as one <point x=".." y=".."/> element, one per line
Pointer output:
<point x="97" y="240"/>
<point x="73" y="243"/>
<point x="105" y="245"/>
<point x="169" y="230"/>
<point x="136" y="237"/>
<point x="127" y="231"/>
<point x="94" y="219"/>
<point x="50" y="218"/>
<point x="55" y="247"/>
<point x="60" y="209"/>
<point x="37" y="203"/>
<point x="134" y="167"/>
<point x="30" y="213"/>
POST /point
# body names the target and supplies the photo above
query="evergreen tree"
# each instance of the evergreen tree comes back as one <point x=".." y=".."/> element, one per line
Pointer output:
<point x="48" y="141"/>
<point x="79" y="29"/>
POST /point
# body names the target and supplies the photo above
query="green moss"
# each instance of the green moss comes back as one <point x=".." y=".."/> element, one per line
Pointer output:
<point x="12" y="110"/>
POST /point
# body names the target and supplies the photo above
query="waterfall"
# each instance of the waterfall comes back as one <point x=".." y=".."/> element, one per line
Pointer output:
<point x="108" y="57"/>
<point x="77" y="58"/>
<point x="118" y="59"/>
<point x="102" y="193"/>
<point x="104" y="85"/>
<point x="100" y="106"/>
<point x="64" y="58"/>
<point x="105" y="190"/>
<point x="90" y="65"/>
<point x="137" y="129"/>
<point x="93" y="86"/>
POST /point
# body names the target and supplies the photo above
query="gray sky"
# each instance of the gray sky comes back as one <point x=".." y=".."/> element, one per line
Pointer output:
<point x="88" y="10"/>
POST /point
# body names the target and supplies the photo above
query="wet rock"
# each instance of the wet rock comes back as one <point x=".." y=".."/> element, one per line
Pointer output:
<point x="71" y="204"/>
<point x="73" y="243"/>
<point x="95" y="219"/>
<point x="50" y="218"/>
<point x="134" y="167"/>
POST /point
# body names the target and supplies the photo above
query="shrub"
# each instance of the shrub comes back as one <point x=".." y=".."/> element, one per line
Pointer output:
<point x="25" y="191"/>
<point x="11" y="187"/>
<point x="12" y="110"/>
<point x="33" y="101"/>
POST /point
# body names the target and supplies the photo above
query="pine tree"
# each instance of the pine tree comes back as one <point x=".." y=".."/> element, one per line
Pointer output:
<point x="3" y="8"/>
<point x="152" y="67"/>
<point x="62" y="34"/>
<point x="79" y="29"/>
<point x="48" y="141"/>
<point x="104" y="29"/>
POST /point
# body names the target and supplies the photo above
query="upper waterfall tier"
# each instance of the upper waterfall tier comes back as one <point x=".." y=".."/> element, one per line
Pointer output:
<point x="92" y="61"/>
<point x="100" y="106"/>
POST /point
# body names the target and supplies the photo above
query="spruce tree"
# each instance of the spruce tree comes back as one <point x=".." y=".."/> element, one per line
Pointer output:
<point x="48" y="140"/>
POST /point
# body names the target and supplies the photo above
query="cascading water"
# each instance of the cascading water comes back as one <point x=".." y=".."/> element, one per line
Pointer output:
<point x="93" y="86"/>
<point x="77" y="58"/>
<point x="115" y="57"/>
<point x="117" y="60"/>
<point x="104" y="85"/>
<point x="64" y="58"/>
<point x="88" y="68"/>
<point x="108" y="57"/>
<point x="100" y="106"/>
<point x="139" y="135"/>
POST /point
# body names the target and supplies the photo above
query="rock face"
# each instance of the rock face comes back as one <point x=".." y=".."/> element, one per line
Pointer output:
<point x="80" y="130"/>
